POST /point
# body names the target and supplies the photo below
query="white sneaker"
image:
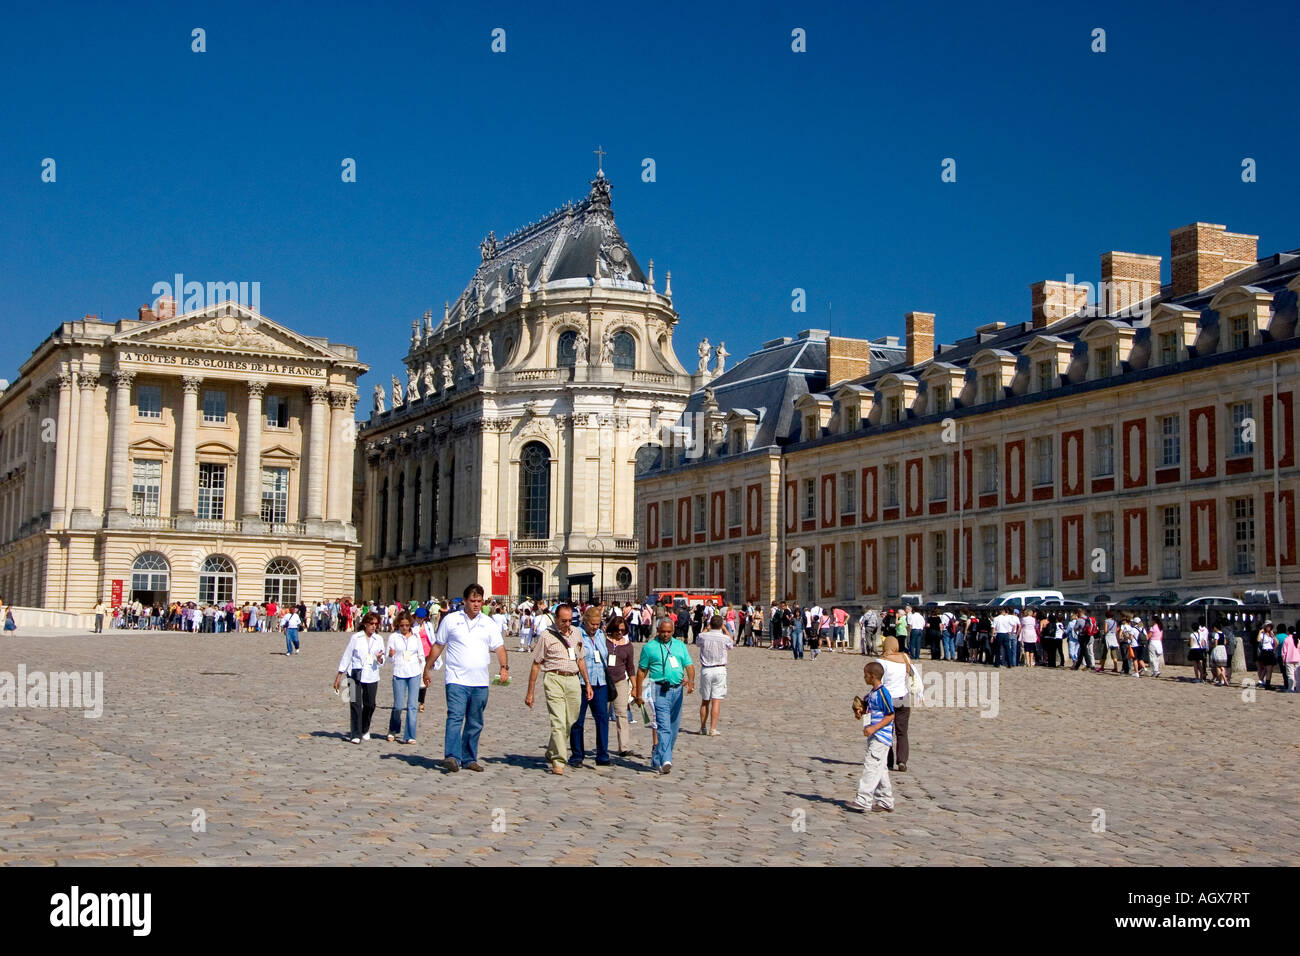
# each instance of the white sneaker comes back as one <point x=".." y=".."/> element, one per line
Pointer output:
<point x="356" y="740"/>
<point x="365" y="736"/>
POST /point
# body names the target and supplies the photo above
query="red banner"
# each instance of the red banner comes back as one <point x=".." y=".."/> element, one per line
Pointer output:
<point x="500" y="567"/>
<point x="117" y="593"/>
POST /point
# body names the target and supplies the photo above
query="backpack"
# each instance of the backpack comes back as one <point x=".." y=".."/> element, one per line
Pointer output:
<point x="1090" y="627"/>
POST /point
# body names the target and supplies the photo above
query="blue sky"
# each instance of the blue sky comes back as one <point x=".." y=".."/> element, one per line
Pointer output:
<point x="775" y="169"/>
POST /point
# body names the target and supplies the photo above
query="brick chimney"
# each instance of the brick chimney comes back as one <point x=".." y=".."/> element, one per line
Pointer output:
<point x="1127" y="279"/>
<point x="166" y="307"/>
<point x="1050" y="301"/>
<point x="920" y="337"/>
<point x="1203" y="254"/>
<point x="846" y="359"/>
<point x="146" y="314"/>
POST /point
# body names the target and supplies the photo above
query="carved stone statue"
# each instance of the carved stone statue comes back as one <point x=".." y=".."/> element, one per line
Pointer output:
<point x="467" y="356"/>
<point x="448" y="372"/>
<point x="485" y="352"/>
<point x="379" y="399"/>
<point x="703" y="352"/>
<point x="580" y="347"/>
<point x="488" y="247"/>
<point x="397" y="392"/>
<point x="607" y="348"/>
<point x="412" y="386"/>
<point x="428" y="379"/>
<point x="722" y="353"/>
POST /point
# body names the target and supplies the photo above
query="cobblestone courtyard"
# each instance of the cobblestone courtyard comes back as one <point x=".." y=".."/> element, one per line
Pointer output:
<point x="226" y="725"/>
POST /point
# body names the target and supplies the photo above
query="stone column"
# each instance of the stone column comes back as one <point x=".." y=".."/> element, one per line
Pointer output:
<point x="390" y="543"/>
<point x="31" y="497"/>
<point x="62" y="443"/>
<point x="43" y="451"/>
<point x="427" y="464"/>
<point x="82" y="516"/>
<point x="318" y="395"/>
<point x="338" y="497"/>
<point x="251" y="466"/>
<point x="186" y="445"/>
<point x="119" y="494"/>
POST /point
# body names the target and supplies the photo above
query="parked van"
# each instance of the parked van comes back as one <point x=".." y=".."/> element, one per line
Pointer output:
<point x="1024" y="598"/>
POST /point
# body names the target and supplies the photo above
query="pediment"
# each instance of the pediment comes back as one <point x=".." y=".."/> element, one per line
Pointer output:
<point x="228" y="326"/>
<point x="279" y="453"/>
<point x="149" y="447"/>
<point x="216" y="448"/>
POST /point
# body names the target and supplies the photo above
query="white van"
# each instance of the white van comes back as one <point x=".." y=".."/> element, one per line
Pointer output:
<point x="1023" y="598"/>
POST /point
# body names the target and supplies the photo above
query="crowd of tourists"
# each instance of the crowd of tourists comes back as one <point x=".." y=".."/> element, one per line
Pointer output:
<point x="582" y="655"/>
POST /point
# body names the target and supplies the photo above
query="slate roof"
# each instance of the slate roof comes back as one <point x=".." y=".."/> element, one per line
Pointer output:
<point x="576" y="241"/>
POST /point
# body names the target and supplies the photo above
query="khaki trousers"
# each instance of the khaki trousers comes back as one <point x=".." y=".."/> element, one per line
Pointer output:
<point x="622" y="695"/>
<point x="563" y="696"/>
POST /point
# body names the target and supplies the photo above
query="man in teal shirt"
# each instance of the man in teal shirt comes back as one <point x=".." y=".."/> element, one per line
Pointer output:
<point x="667" y="662"/>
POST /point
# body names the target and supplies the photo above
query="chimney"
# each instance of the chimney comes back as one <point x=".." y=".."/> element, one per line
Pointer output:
<point x="1051" y="301"/>
<point x="146" y="314"/>
<point x="1203" y="254"/>
<point x="846" y="359"/>
<point x="1127" y="279"/>
<point x="920" y="337"/>
<point x="166" y="307"/>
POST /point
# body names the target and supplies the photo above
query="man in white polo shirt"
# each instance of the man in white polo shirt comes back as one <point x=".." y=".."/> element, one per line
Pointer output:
<point x="468" y="637"/>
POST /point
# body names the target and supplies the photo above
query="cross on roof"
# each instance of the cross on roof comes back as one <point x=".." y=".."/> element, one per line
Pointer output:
<point x="600" y="158"/>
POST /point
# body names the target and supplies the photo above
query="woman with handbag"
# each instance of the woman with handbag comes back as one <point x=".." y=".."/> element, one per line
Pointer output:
<point x="898" y="672"/>
<point x="360" y="662"/>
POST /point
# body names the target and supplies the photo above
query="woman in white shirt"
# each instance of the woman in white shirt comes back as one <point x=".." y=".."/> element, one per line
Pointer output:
<point x="407" y="654"/>
<point x="1029" y="636"/>
<point x="1266" y="653"/>
<point x="897" y="665"/>
<point x="360" y="662"/>
<point x="526" y="629"/>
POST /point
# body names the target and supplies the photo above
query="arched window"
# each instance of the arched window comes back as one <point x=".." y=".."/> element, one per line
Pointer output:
<point x="216" y="580"/>
<point x="417" y="509"/>
<point x="281" y="582"/>
<point x="381" y="546"/>
<point x="401" y="511"/>
<point x="150" y="578"/>
<point x="530" y="583"/>
<point x="535" y="491"/>
<point x="433" y="512"/>
<point x="451" y="501"/>
<point x="566" y="352"/>
<point x="624" y="350"/>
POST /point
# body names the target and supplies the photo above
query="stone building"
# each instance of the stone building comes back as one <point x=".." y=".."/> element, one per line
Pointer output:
<point x="202" y="456"/>
<point x="519" y="417"/>
<point x="1140" y="444"/>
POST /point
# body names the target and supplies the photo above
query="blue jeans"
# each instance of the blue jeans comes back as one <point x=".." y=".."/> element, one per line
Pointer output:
<point x="1008" y="648"/>
<point x="464" y="722"/>
<point x="406" y="697"/>
<point x="668" y="718"/>
<point x="949" y="647"/>
<point x="796" y="643"/>
<point x="914" y="643"/>
<point x="599" y="705"/>
<point x="290" y="639"/>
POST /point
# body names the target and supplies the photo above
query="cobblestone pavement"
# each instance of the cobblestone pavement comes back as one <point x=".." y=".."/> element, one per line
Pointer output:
<point x="227" y="725"/>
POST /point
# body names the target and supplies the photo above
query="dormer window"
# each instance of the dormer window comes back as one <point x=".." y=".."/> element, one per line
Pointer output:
<point x="1238" y="332"/>
<point x="893" y="409"/>
<point x="810" y="428"/>
<point x="1104" y="362"/>
<point x="1168" y="346"/>
<point x="850" y="419"/>
<point x="990" y="391"/>
<point x="1046" y="375"/>
<point x="941" y="400"/>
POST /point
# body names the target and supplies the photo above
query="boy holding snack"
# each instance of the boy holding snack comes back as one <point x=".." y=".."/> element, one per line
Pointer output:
<point x="877" y="716"/>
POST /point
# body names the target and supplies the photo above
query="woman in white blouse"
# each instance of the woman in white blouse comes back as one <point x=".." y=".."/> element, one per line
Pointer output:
<point x="407" y="654"/>
<point x="360" y="662"/>
<point x="1029" y="636"/>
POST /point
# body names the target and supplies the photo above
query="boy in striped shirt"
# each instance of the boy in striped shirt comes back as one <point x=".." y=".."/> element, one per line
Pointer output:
<point x="877" y="716"/>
